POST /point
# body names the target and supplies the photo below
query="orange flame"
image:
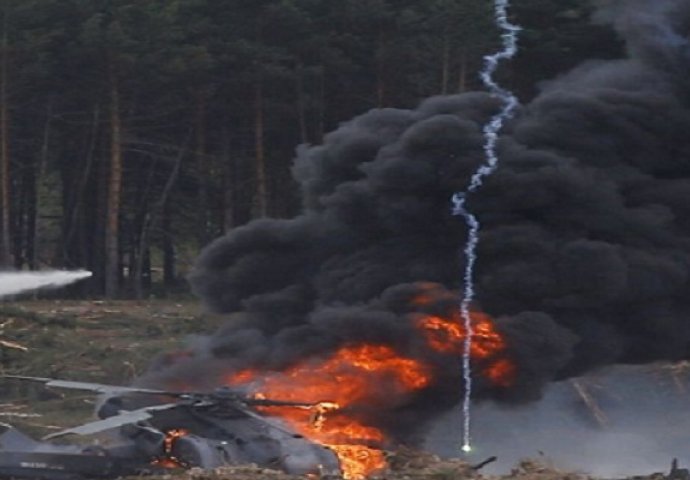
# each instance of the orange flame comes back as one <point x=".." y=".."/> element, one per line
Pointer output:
<point x="354" y="375"/>
<point x="366" y="376"/>
<point x="169" y="460"/>
<point x="448" y="336"/>
<point x="501" y="372"/>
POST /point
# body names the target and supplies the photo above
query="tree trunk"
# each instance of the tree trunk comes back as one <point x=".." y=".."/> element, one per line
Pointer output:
<point x="33" y="175"/>
<point x="445" y="64"/>
<point x="149" y="224"/>
<point x="169" y="261"/>
<point x="203" y="170"/>
<point x="301" y="107"/>
<point x="462" y="78"/>
<point x="79" y="187"/>
<point x="5" y="205"/>
<point x="20" y="189"/>
<point x="229" y="176"/>
<point x="380" y="72"/>
<point x="261" y="189"/>
<point x="112" y="257"/>
<point x="91" y="229"/>
<point x="321" y="118"/>
<point x="32" y="242"/>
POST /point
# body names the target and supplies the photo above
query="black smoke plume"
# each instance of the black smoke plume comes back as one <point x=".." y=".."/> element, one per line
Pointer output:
<point x="584" y="257"/>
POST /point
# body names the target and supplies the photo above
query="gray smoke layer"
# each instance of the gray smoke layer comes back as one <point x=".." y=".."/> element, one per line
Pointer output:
<point x="637" y="421"/>
<point x="584" y="257"/>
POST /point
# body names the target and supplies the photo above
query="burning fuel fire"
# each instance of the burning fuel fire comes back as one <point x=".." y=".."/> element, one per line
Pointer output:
<point x="447" y="335"/>
<point x="357" y="379"/>
<point x="169" y="460"/>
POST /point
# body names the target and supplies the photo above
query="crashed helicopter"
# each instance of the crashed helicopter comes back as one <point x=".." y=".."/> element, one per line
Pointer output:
<point x="150" y="431"/>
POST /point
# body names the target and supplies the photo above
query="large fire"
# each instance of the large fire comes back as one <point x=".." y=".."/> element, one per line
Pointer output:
<point x="359" y="379"/>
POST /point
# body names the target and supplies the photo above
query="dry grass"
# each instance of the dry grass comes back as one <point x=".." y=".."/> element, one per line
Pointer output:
<point x="96" y="341"/>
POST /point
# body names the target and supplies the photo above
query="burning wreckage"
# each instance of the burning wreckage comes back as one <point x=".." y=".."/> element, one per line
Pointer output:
<point x="328" y="414"/>
<point x="172" y="430"/>
<point x="585" y="263"/>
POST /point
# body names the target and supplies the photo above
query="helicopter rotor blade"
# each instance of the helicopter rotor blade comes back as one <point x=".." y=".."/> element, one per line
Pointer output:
<point x="92" y="387"/>
<point x="267" y="402"/>
<point x="241" y="406"/>
<point x="116" y="389"/>
<point x="125" y="417"/>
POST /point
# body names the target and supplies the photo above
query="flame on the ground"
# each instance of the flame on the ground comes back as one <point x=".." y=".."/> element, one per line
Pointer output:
<point x="168" y="459"/>
<point x="362" y="377"/>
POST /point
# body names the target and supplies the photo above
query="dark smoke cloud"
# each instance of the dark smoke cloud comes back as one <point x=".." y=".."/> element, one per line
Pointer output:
<point x="585" y="243"/>
<point x="656" y="32"/>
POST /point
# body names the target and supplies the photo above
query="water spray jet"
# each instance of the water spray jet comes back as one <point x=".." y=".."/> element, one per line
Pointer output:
<point x="13" y="283"/>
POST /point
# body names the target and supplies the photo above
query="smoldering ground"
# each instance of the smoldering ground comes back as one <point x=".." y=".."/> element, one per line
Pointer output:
<point x="641" y="423"/>
<point x="584" y="254"/>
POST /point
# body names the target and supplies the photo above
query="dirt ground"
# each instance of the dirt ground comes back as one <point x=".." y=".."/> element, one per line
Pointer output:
<point x="104" y="341"/>
<point x="113" y="341"/>
<point x="412" y="466"/>
<point x="97" y="341"/>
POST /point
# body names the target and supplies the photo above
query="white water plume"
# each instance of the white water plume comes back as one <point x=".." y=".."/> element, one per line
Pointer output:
<point x="491" y="129"/>
<point x="12" y="283"/>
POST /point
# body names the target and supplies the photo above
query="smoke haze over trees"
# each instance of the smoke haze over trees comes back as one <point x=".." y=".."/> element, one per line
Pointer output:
<point x="133" y="133"/>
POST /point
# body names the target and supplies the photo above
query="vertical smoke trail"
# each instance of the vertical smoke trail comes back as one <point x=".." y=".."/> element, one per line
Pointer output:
<point x="491" y="129"/>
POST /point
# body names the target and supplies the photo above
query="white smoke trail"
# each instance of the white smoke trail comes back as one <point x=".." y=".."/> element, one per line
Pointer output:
<point x="491" y="129"/>
<point x="12" y="283"/>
